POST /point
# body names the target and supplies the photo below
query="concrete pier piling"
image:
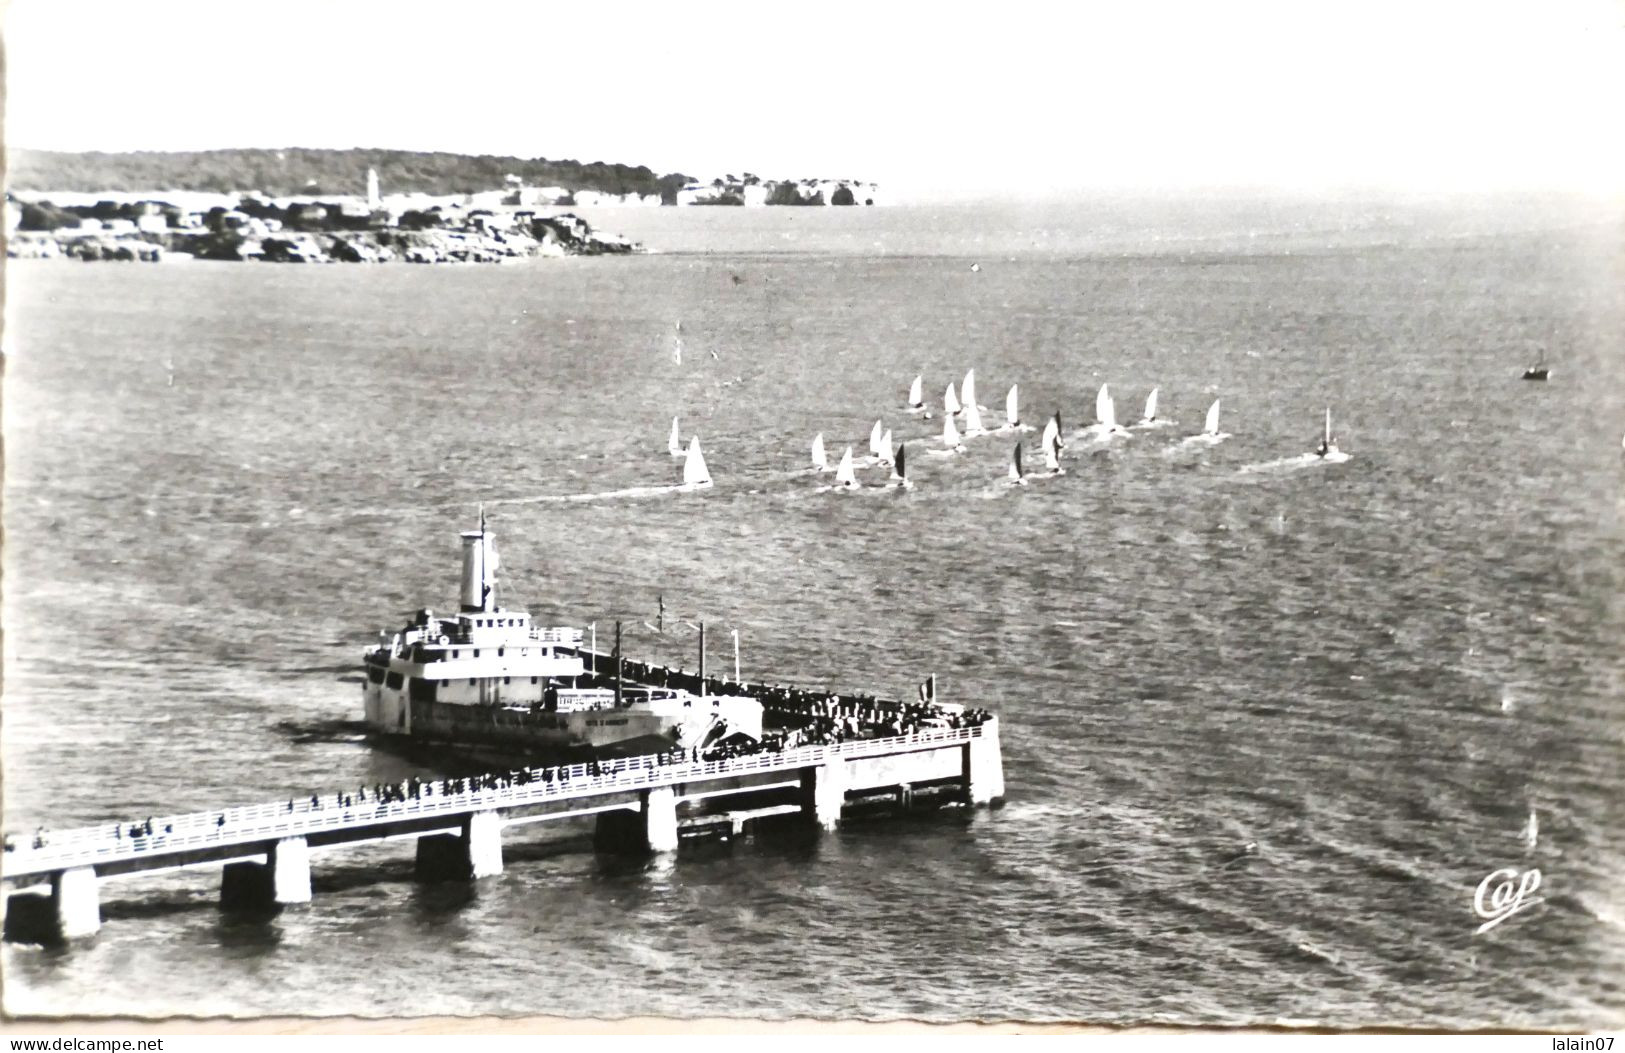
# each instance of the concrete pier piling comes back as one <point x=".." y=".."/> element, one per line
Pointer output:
<point x="660" y="819"/>
<point x="283" y="879"/>
<point x="70" y="911"/>
<point x="474" y="852"/>
<point x="984" y="767"/>
<point x="75" y="899"/>
<point x="652" y="828"/>
<point x="823" y="793"/>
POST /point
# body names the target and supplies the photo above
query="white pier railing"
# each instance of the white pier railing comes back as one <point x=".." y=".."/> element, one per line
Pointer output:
<point x="251" y="825"/>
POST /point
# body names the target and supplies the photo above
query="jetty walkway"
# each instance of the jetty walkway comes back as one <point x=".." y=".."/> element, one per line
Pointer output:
<point x="641" y="804"/>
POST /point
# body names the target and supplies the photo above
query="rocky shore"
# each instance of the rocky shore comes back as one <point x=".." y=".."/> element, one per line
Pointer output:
<point x="472" y="237"/>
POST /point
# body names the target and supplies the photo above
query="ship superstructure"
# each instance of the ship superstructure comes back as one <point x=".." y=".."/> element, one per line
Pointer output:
<point x="489" y="677"/>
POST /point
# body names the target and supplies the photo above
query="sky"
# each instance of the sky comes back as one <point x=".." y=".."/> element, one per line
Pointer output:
<point x="931" y="100"/>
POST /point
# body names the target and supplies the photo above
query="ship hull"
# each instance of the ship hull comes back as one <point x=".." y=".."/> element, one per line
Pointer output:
<point x="530" y="731"/>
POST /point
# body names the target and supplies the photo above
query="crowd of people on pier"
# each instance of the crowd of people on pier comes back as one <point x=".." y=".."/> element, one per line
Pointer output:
<point x="803" y="718"/>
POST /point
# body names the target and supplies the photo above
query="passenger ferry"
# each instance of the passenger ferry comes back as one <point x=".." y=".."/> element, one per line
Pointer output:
<point x="489" y="681"/>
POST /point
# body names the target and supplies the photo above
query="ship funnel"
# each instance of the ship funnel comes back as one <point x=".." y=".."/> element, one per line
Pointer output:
<point x="479" y="591"/>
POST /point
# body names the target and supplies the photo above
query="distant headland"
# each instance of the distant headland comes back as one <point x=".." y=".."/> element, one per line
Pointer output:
<point x="327" y="206"/>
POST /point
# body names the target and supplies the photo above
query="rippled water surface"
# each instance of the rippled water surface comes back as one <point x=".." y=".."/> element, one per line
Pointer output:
<point x="223" y="479"/>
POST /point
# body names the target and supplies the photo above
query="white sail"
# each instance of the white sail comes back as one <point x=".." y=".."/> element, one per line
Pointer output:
<point x="967" y="390"/>
<point x="916" y="394"/>
<point x="1052" y="449"/>
<point x="886" y="447"/>
<point x="819" y="461"/>
<point x="1011" y="416"/>
<point x="1052" y="431"/>
<point x="1328" y="425"/>
<point x="973" y="419"/>
<point x="950" y="401"/>
<point x="694" y="470"/>
<point x="874" y="439"/>
<point x="950" y="434"/>
<point x="1150" y="406"/>
<point x="1105" y="409"/>
<point x="843" y="474"/>
<point x="1015" y="464"/>
<point x="674" y="444"/>
<point x="1212" y="425"/>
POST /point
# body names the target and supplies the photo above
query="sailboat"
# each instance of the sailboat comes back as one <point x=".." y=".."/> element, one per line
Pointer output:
<point x="950" y="436"/>
<point x="1150" y="416"/>
<point x="874" y="439"/>
<point x="973" y="414"/>
<point x="886" y="447"/>
<point x="1052" y="453"/>
<point x="1211" y="426"/>
<point x="1327" y="450"/>
<point x="844" y="476"/>
<point x="820" y="462"/>
<point x="950" y="401"/>
<point x="1016" y="475"/>
<point x="899" y="471"/>
<point x="967" y="390"/>
<point x="695" y="475"/>
<point x="916" y="396"/>
<point x="1531" y="831"/>
<point x="1052" y="432"/>
<point x="674" y="443"/>
<point x="1012" y="416"/>
<point x="1538" y="371"/>
<point x="1106" y="412"/>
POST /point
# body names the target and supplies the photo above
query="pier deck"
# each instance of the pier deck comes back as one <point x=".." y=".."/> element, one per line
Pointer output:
<point x="266" y="849"/>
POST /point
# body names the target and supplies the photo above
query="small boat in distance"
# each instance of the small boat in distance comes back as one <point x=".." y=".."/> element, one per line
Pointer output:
<point x="950" y="436"/>
<point x="1211" y="426"/>
<point x="820" y="462"/>
<point x="1328" y="442"/>
<point x="844" y="476"/>
<point x="973" y="416"/>
<point x="1012" y="415"/>
<point x="1106" y="413"/>
<point x="1017" y="478"/>
<point x="950" y="401"/>
<point x="1538" y="371"/>
<point x="916" y="395"/>
<point x="875" y="434"/>
<point x="674" y="443"/>
<point x="899" y="471"/>
<point x="1052" y="451"/>
<point x="1052" y="432"/>
<point x="695" y="475"/>
<point x="1149" y="418"/>
<point x="886" y="447"/>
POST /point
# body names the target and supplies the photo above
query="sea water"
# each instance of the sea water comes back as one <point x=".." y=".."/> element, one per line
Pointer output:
<point x="1268" y="722"/>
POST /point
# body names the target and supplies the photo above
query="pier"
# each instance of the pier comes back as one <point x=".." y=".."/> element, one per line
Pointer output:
<point x="642" y="804"/>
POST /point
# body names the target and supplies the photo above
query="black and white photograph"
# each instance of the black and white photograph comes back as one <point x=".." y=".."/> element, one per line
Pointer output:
<point x="1107" y="515"/>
